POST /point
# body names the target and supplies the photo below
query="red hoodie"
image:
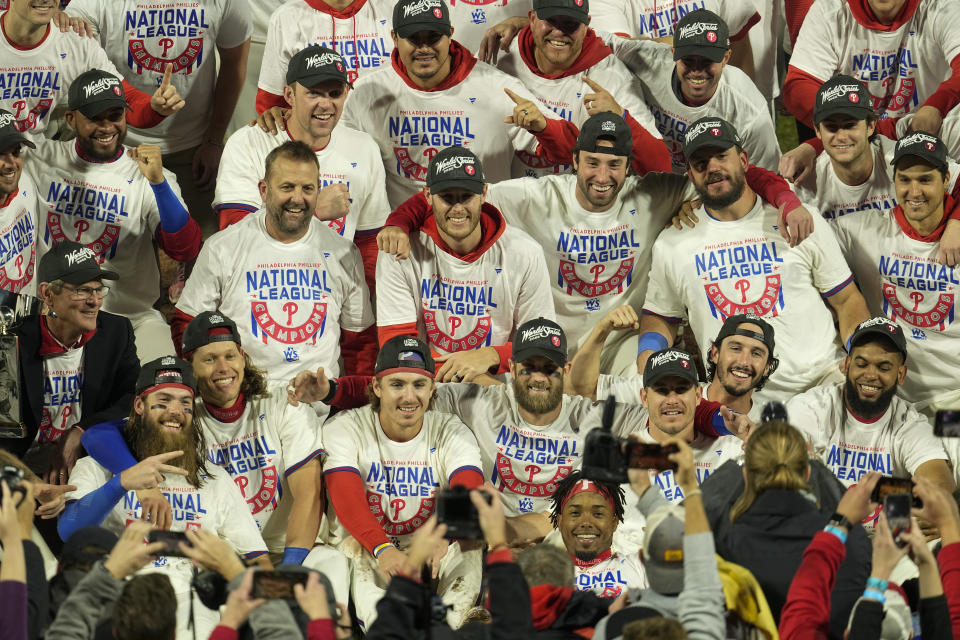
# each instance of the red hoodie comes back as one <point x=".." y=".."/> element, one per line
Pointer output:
<point x="655" y="155"/>
<point x="800" y="88"/>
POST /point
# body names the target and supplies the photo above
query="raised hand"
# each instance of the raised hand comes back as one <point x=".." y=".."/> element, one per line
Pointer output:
<point x="166" y="99"/>
<point x="526" y="114"/>
<point x="600" y="100"/>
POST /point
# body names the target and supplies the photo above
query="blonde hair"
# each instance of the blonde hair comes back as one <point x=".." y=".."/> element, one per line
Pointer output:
<point x="776" y="457"/>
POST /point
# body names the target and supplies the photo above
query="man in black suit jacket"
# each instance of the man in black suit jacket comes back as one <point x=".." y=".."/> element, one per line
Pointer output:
<point x="78" y="365"/>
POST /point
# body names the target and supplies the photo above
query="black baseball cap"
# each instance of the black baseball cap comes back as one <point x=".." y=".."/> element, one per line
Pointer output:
<point x="606" y="126"/>
<point x="880" y="326"/>
<point x="579" y="10"/>
<point x="669" y="362"/>
<point x="540" y="337"/>
<point x="165" y="371"/>
<point x="95" y="91"/>
<point x="9" y="134"/>
<point x="710" y="132"/>
<point x="73" y="263"/>
<point x="316" y="64"/>
<point x="411" y="16"/>
<point x="455" y="167"/>
<point x="404" y="354"/>
<point x="731" y="326"/>
<point x="207" y="327"/>
<point x="701" y="33"/>
<point x="925" y="146"/>
<point x="843" y="95"/>
<point x="87" y="545"/>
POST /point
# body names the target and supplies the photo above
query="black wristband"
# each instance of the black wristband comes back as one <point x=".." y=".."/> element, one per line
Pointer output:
<point x="839" y="520"/>
<point x="330" y="394"/>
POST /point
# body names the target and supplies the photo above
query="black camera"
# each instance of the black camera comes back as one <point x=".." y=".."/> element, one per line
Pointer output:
<point x="457" y="511"/>
<point x="603" y="456"/>
<point x="13" y="478"/>
<point x="774" y="411"/>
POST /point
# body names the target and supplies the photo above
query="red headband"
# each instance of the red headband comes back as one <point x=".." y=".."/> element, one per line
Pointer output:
<point x="585" y="486"/>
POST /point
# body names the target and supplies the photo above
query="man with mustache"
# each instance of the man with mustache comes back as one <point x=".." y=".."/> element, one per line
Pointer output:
<point x="160" y="433"/>
<point x="735" y="261"/>
<point x="861" y="425"/>
<point x="297" y="286"/>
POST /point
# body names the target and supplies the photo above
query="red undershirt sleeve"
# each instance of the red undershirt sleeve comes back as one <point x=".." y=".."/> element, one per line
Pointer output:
<point x="740" y="35"/>
<point x="182" y="245"/>
<point x="227" y="216"/>
<point x="505" y="351"/>
<point x="351" y="392"/>
<point x="141" y="114"/>
<point x="654" y="157"/>
<point x="703" y="418"/>
<point x="772" y="188"/>
<point x="469" y="477"/>
<point x="366" y="241"/>
<point x="265" y="100"/>
<point x="557" y="141"/>
<point x="178" y="324"/>
<point x="947" y="95"/>
<point x="349" y="498"/>
<point x="411" y="214"/>
<point x="800" y="94"/>
<point x="393" y="330"/>
<point x="949" y="561"/>
<point x="359" y="350"/>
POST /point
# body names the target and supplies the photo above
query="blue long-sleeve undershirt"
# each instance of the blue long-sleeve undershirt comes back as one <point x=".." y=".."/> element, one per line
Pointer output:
<point x="90" y="510"/>
<point x="105" y="444"/>
<point x="173" y="215"/>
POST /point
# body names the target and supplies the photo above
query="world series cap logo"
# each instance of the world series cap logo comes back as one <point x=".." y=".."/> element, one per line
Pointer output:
<point x="101" y="85"/>
<point x="416" y="8"/>
<point x="214" y="319"/>
<point x="697" y="28"/>
<point x="78" y="255"/>
<point x="449" y="164"/>
<point x="916" y="137"/>
<point x="872" y="322"/>
<point x="702" y="127"/>
<point x="323" y="59"/>
<point x="6" y="119"/>
<point x="608" y="125"/>
<point x="670" y="356"/>
<point x="168" y="361"/>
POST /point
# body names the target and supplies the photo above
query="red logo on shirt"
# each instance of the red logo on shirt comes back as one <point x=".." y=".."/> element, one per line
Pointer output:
<point x="24" y="275"/>
<point x="939" y="315"/>
<point x="264" y="495"/>
<point x="141" y="59"/>
<point x="529" y="488"/>
<point x="284" y="332"/>
<point x="393" y="527"/>
<point x="766" y="303"/>
<point x="622" y="276"/>
<point x="473" y="340"/>
<point x="99" y="245"/>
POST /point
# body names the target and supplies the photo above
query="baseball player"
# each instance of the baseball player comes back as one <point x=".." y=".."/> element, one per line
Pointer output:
<point x="270" y="449"/>
<point x="861" y="425"/>
<point x="41" y="62"/>
<point x="19" y="211"/>
<point x="437" y="95"/>
<point x="162" y="433"/>
<point x="295" y="284"/>
<point x="352" y="196"/>
<point x="358" y="30"/>
<point x="741" y="361"/>
<point x="736" y="262"/>
<point x="117" y="201"/>
<point x="586" y="514"/>
<point x="470" y="280"/>
<point x="905" y="52"/>
<point x="572" y="72"/>
<point x="597" y="254"/>
<point x="385" y="463"/>
<point x="691" y="80"/>
<point x="207" y="43"/>
<point x="893" y="256"/>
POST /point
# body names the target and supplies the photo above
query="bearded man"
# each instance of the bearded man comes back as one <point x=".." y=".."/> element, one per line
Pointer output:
<point x="161" y="433"/>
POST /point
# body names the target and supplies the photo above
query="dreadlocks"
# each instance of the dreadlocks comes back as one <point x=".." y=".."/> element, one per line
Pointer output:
<point x="568" y="484"/>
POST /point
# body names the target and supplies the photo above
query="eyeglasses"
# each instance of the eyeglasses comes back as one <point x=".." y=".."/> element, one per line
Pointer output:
<point x="88" y="293"/>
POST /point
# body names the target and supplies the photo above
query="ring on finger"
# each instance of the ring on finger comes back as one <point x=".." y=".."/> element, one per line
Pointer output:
<point x="524" y="111"/>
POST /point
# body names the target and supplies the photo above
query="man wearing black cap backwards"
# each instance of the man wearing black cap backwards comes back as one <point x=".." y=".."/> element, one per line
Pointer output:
<point x="352" y="198"/>
<point x="77" y="364"/>
<point x="437" y="95"/>
<point x="736" y="261"/>
<point x="19" y="211"/>
<point x="126" y="201"/>
<point x="596" y="240"/>
<point x="861" y="425"/>
<point x="384" y="464"/>
<point x="161" y="433"/>
<point x="692" y="79"/>
<point x="553" y="55"/>
<point x="894" y="258"/>
<point x="270" y="449"/>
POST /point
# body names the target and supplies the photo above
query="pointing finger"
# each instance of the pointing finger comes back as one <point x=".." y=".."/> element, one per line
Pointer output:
<point x="516" y="99"/>
<point x="593" y="85"/>
<point x="167" y="74"/>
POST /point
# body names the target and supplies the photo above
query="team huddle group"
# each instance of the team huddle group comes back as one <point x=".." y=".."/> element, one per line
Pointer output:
<point x="451" y="233"/>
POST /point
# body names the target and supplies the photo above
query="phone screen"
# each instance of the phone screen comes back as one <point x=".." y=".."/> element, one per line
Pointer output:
<point x="276" y="584"/>
<point x="643" y="455"/>
<point x="171" y="539"/>
<point x="896" y="506"/>
<point x="886" y="485"/>
<point x="947" y="423"/>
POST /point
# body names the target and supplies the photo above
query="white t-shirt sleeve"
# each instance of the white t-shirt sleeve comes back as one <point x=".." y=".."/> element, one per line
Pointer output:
<point x="203" y="288"/>
<point x="237" y="525"/>
<point x="273" y="68"/>
<point x="299" y="432"/>
<point x="815" y="52"/>
<point x="803" y="412"/>
<point x="356" y="313"/>
<point x="761" y="138"/>
<point x="663" y="296"/>
<point x="235" y="25"/>
<point x="824" y="256"/>
<point x="457" y="448"/>
<point x="375" y="208"/>
<point x="916" y="443"/>
<point x="341" y="445"/>
<point x="534" y="299"/>
<point x="396" y="303"/>
<point x="736" y="13"/>
<point x="944" y="20"/>
<point x="238" y="178"/>
<point x="87" y="476"/>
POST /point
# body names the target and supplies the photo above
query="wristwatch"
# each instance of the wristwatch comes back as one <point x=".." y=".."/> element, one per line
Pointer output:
<point x="839" y="520"/>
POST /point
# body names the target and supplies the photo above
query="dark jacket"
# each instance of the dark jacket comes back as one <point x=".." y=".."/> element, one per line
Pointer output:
<point x="110" y="369"/>
<point x="770" y="537"/>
